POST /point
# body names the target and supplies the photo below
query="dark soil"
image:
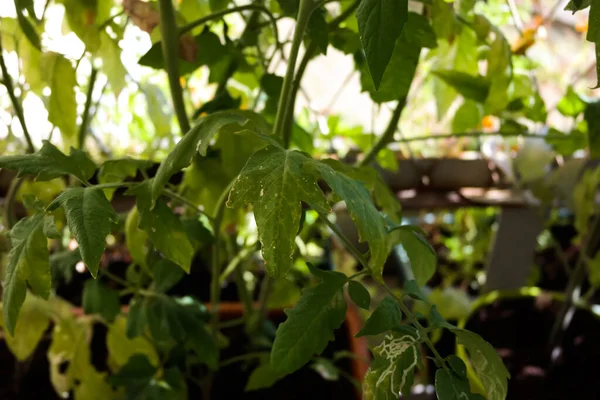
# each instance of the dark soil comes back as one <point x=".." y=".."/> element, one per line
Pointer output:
<point x="519" y="329"/>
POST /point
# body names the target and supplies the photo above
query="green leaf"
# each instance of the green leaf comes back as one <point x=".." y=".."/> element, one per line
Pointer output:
<point x="28" y="28"/>
<point x="80" y="16"/>
<point x="90" y="218"/>
<point x="499" y="73"/>
<point x="384" y="318"/>
<point x="412" y="289"/>
<point x="457" y="365"/>
<point x="166" y="274"/>
<point x="392" y="370"/>
<point x="264" y="376"/>
<point x="572" y="104"/>
<point x="100" y="299"/>
<point x="467" y="117"/>
<point x="116" y="171"/>
<point x="370" y="224"/>
<point x="121" y="347"/>
<point x="359" y="294"/>
<point x="164" y="228"/>
<point x="577" y="5"/>
<point x="110" y="53"/>
<point x="59" y="75"/>
<point x="198" y="139"/>
<point x="31" y="326"/>
<point x="593" y="33"/>
<point x="275" y="182"/>
<point x="423" y="259"/>
<point x="469" y="86"/>
<point x="49" y="163"/>
<point x="317" y="30"/>
<point x="345" y="40"/>
<point x="217" y="5"/>
<point x="397" y="78"/>
<point x="310" y="323"/>
<point x="50" y="230"/>
<point x="592" y="117"/>
<point x="136" y="318"/>
<point x="449" y="386"/>
<point x="380" y="24"/>
<point x="486" y="362"/>
<point x="138" y="378"/>
<point x="28" y="264"/>
<point x="443" y="20"/>
<point x="209" y="51"/>
<point x="30" y="58"/>
<point x="419" y="32"/>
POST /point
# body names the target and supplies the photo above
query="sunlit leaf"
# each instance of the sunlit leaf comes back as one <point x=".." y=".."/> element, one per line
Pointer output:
<point x="30" y="328"/>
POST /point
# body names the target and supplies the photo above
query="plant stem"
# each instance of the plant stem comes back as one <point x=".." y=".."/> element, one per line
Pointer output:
<point x="222" y="13"/>
<point x="304" y="11"/>
<point x="388" y="134"/>
<point x="215" y="285"/>
<point x="482" y="134"/>
<point x="9" y="216"/>
<point x="85" y="118"/>
<point x="242" y="290"/>
<point x="113" y="277"/>
<point x="349" y="246"/>
<point x="170" y="50"/>
<point x="245" y="252"/>
<point x="7" y="80"/>
<point x="244" y="357"/>
<point x="187" y="202"/>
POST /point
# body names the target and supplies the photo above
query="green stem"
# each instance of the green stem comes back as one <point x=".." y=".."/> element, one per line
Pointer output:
<point x="482" y="134"/>
<point x="7" y="80"/>
<point x="305" y="10"/>
<point x="388" y="134"/>
<point x="187" y="202"/>
<point x="241" y="256"/>
<point x="244" y="357"/>
<point x="170" y="49"/>
<point x="405" y="310"/>
<point x="115" y="278"/>
<point x="85" y="117"/>
<point x="215" y="285"/>
<point x="242" y="290"/>
<point x="9" y="215"/>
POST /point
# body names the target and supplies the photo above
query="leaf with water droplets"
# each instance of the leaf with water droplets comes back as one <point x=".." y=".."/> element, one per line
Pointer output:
<point x="275" y="182"/>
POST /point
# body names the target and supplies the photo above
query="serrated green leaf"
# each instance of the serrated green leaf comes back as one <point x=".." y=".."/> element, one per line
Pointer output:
<point x="412" y="289"/>
<point x="384" y="318"/>
<point x="393" y="367"/>
<point x="30" y="328"/>
<point x="572" y="104"/>
<point x="198" y="139"/>
<point x="469" y="86"/>
<point x="486" y="362"/>
<point x="310" y="323"/>
<point x="380" y="24"/>
<point x="59" y="75"/>
<point x="275" y="182"/>
<point x="423" y="259"/>
<point x="449" y="386"/>
<point x="359" y="294"/>
<point x="49" y="163"/>
<point x="263" y="376"/>
<point x="166" y="274"/>
<point x="28" y="263"/>
<point x="368" y="221"/>
<point x="100" y="299"/>
<point x="164" y="228"/>
<point x="90" y="218"/>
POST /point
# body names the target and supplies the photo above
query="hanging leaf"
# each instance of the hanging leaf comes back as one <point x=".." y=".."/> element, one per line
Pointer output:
<point x="385" y="317"/>
<point x="359" y="295"/>
<point x="486" y="362"/>
<point x="90" y="218"/>
<point x="30" y="328"/>
<point x="263" y="376"/>
<point x="392" y="369"/>
<point x="59" y="75"/>
<point x="380" y="24"/>
<point x="592" y="117"/>
<point x="28" y="264"/>
<point x="199" y="138"/>
<point x="100" y="299"/>
<point x="310" y="323"/>
<point x="422" y="256"/>
<point x="164" y="228"/>
<point x="275" y="182"/>
<point x="49" y="163"/>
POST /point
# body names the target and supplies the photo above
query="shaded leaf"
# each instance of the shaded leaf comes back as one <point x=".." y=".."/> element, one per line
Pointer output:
<point x="412" y="289"/>
<point x="49" y="163"/>
<point x="90" y="218"/>
<point x="263" y="376"/>
<point x="317" y="30"/>
<point x="27" y="264"/>
<point x="380" y="24"/>
<point x="117" y="170"/>
<point x="423" y="259"/>
<point x="310" y="323"/>
<point x="469" y="86"/>
<point x="384" y="318"/>
<point x="359" y="294"/>
<point x="166" y="274"/>
<point x="100" y="299"/>
<point x="592" y="117"/>
<point x="449" y="386"/>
